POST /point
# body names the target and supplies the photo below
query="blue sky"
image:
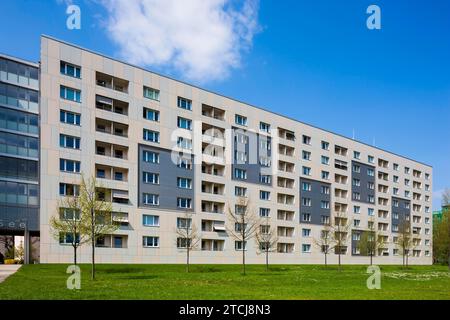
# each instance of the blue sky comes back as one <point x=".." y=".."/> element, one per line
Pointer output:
<point x="311" y="60"/>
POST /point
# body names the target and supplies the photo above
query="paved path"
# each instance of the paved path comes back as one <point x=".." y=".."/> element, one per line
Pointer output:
<point x="8" y="269"/>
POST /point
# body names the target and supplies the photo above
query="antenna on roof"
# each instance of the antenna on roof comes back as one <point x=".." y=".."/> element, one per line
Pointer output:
<point x="373" y="143"/>
<point x="353" y="136"/>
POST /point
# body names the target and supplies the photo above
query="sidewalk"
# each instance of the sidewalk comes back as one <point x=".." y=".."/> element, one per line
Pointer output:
<point x="8" y="269"/>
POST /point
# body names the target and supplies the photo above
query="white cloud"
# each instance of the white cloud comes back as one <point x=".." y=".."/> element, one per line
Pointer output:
<point x="200" y="39"/>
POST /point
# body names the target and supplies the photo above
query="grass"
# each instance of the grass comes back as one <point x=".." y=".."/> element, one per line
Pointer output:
<point x="48" y="281"/>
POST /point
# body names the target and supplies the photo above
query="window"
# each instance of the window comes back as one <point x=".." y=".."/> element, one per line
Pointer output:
<point x="265" y="179"/>
<point x="184" y="123"/>
<point x="370" y="172"/>
<point x="306" y="202"/>
<point x="264" y="212"/>
<point x="151" y="199"/>
<point x="66" y="189"/>
<point x="240" y="156"/>
<point x="306" y="186"/>
<point x="406" y="170"/>
<point x="325" y="204"/>
<point x="150" y="114"/>
<point x="370" y="185"/>
<point x="427" y="176"/>
<point x="325" y="190"/>
<point x="306" y="155"/>
<point x="240" y="174"/>
<point x="371" y="199"/>
<point x="67" y="238"/>
<point x="356" y="168"/>
<point x="264" y="195"/>
<point x="70" y="94"/>
<point x="356" y="182"/>
<point x="241" y="120"/>
<point x="325" y="160"/>
<point x="239" y="245"/>
<point x="151" y="93"/>
<point x="150" y="220"/>
<point x="306" y="140"/>
<point x="184" y="103"/>
<point x="325" y="175"/>
<point x="325" y="145"/>
<point x="150" y="177"/>
<point x="184" y="163"/>
<point x="395" y="216"/>
<point x="70" y="70"/>
<point x="265" y="127"/>
<point x="150" y="242"/>
<point x="395" y="179"/>
<point x="325" y="219"/>
<point x="151" y="136"/>
<point x="240" y="191"/>
<point x="395" y="167"/>
<point x="69" y="142"/>
<point x="356" y="155"/>
<point x="306" y="232"/>
<point x="395" y="191"/>
<point x="356" y="196"/>
<point x="306" y="248"/>
<point x="306" y="171"/>
<point x="370" y="211"/>
<point x="69" y="117"/>
<point x="306" y="217"/>
<point x="184" y="223"/>
<point x="184" y="143"/>
<point x="370" y="159"/>
<point x="356" y="209"/>
<point x="264" y="144"/>
<point x="184" y="183"/>
<point x="395" y="203"/>
<point x="150" y="156"/>
<point x="69" y="166"/>
<point x="356" y="237"/>
<point x="184" y="203"/>
<point x="406" y="182"/>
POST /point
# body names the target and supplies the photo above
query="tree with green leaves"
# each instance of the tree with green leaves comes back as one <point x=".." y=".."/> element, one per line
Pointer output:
<point x="404" y="240"/>
<point x="96" y="213"/>
<point x="340" y="229"/>
<point x="68" y="224"/>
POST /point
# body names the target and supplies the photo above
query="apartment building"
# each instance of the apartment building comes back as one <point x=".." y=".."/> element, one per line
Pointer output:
<point x="162" y="148"/>
<point x="19" y="156"/>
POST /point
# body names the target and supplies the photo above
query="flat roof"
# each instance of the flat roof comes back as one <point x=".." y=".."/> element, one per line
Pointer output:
<point x="224" y="96"/>
<point x="29" y="63"/>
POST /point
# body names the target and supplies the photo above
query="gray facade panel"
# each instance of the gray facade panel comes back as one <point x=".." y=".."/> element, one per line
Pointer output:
<point x="167" y="189"/>
<point x="403" y="210"/>
<point x="316" y="197"/>
<point x="364" y="179"/>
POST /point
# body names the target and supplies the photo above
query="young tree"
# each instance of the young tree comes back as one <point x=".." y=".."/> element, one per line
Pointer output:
<point x="244" y="224"/>
<point x="340" y="228"/>
<point x="370" y="241"/>
<point x="446" y="198"/>
<point x="404" y="241"/>
<point x="266" y="239"/>
<point x="69" y="223"/>
<point x="187" y="236"/>
<point x="96" y="212"/>
<point x="325" y="242"/>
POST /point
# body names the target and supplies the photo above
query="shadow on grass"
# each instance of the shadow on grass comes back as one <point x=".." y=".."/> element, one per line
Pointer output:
<point x="139" y="277"/>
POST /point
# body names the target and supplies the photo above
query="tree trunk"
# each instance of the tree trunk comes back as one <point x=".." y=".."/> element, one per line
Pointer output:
<point x="187" y="259"/>
<point x="93" y="243"/>
<point x="267" y="260"/>
<point x="371" y="254"/>
<point x="325" y="259"/>
<point x="75" y="255"/>
<point x="339" y="258"/>
<point x="243" y="257"/>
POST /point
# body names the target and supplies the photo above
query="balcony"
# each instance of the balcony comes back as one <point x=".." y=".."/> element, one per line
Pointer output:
<point x="213" y="226"/>
<point x="383" y="163"/>
<point x="285" y="247"/>
<point x="341" y="151"/>
<point x="110" y="82"/>
<point x="286" y="199"/>
<point x="285" y="215"/>
<point x="213" y="188"/>
<point x="212" y="245"/>
<point x="285" y="183"/>
<point x="111" y="173"/>
<point x="213" y="207"/>
<point x="285" y="232"/>
<point x="286" y="134"/>
<point x="338" y="178"/>
<point x="110" y="127"/>
<point x="112" y="241"/>
<point x="285" y="150"/>
<point x="342" y="165"/>
<point x="113" y="195"/>
<point x="286" y="166"/>
<point x="383" y="188"/>
<point x="383" y="176"/>
<point x="340" y="193"/>
<point x="213" y="112"/>
<point x="213" y="169"/>
<point x="111" y="150"/>
<point x="111" y="105"/>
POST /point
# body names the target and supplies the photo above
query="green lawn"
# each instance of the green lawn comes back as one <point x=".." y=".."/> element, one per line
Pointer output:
<point x="225" y="282"/>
